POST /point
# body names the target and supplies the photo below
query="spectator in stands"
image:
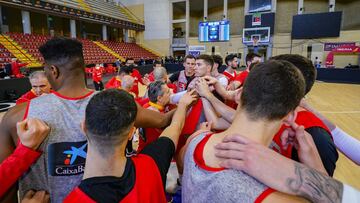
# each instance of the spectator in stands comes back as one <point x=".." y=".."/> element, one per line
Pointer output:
<point x="2" y="72"/>
<point x="7" y="69"/>
<point x="141" y="62"/>
<point x="182" y="78"/>
<point x="15" y="68"/>
<point x="39" y="86"/>
<point x="97" y="77"/>
<point x="118" y="63"/>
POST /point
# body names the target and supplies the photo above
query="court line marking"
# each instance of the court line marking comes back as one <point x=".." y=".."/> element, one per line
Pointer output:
<point x="340" y="112"/>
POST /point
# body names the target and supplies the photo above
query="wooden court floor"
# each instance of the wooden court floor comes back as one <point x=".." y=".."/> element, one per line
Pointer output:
<point x="341" y="104"/>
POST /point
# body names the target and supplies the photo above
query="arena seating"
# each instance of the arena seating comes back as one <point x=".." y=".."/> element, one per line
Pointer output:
<point x="30" y="42"/>
<point x="129" y="50"/>
<point x="94" y="54"/>
<point x="108" y="8"/>
<point x="5" y="56"/>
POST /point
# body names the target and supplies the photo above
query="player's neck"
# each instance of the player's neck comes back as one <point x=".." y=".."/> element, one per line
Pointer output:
<point x="188" y="74"/>
<point x="261" y="131"/>
<point x="215" y="73"/>
<point x="98" y="165"/>
<point x="73" y="87"/>
<point x="230" y="69"/>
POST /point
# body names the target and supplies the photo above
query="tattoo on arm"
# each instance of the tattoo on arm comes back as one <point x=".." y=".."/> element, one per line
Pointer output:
<point x="314" y="186"/>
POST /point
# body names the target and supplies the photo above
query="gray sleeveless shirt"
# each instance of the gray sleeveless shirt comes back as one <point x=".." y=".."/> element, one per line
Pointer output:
<point x="199" y="185"/>
<point x="60" y="167"/>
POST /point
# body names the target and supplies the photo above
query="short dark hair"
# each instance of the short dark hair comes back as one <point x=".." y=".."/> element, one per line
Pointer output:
<point x="252" y="65"/>
<point x="272" y="90"/>
<point x="207" y="59"/>
<point x="229" y="57"/>
<point x="218" y="59"/>
<point x="126" y="70"/>
<point x="108" y="118"/>
<point x="189" y="56"/>
<point x="129" y="59"/>
<point x="156" y="63"/>
<point x="250" y="56"/>
<point x="305" y="66"/>
<point x="63" y="52"/>
<point x="155" y="90"/>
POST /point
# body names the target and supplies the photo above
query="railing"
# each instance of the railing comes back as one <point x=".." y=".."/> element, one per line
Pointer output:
<point x="178" y="42"/>
<point x="21" y="51"/>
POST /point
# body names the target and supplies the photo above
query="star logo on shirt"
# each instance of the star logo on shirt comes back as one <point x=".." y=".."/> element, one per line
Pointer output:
<point x="74" y="153"/>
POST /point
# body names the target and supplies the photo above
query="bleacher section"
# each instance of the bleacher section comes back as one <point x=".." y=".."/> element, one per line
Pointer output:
<point x="31" y="43"/>
<point x="129" y="50"/>
<point x="94" y="51"/>
<point x="108" y="8"/>
<point x="18" y="51"/>
<point x="94" y="54"/>
<point x="68" y="3"/>
<point x="5" y="56"/>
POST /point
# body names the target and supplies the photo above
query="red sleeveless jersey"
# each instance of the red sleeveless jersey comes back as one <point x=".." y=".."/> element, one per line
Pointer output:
<point x="151" y="134"/>
<point x="191" y="121"/>
<point x="142" y="101"/>
<point x="304" y="118"/>
<point x="229" y="76"/>
<point x="148" y="185"/>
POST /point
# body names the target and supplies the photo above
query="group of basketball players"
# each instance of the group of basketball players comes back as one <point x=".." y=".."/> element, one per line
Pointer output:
<point x="247" y="137"/>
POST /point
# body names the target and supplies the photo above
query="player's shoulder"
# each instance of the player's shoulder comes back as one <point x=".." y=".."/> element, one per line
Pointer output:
<point x="12" y="116"/>
<point x="16" y="113"/>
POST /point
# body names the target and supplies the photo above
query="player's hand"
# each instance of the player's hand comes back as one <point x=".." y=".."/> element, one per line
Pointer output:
<point x="202" y="88"/>
<point x="192" y="84"/>
<point x="32" y="132"/>
<point x="36" y="197"/>
<point x="304" y="144"/>
<point x="240" y="153"/>
<point x="210" y="80"/>
<point x="146" y="81"/>
<point x="230" y="87"/>
<point x="188" y="98"/>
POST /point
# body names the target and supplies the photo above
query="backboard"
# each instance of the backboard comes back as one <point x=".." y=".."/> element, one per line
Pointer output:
<point x="260" y="35"/>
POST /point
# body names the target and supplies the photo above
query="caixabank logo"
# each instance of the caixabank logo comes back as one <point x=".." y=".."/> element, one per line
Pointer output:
<point x="67" y="158"/>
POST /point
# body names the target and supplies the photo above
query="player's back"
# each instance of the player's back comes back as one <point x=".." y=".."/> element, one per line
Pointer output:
<point x="205" y="184"/>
